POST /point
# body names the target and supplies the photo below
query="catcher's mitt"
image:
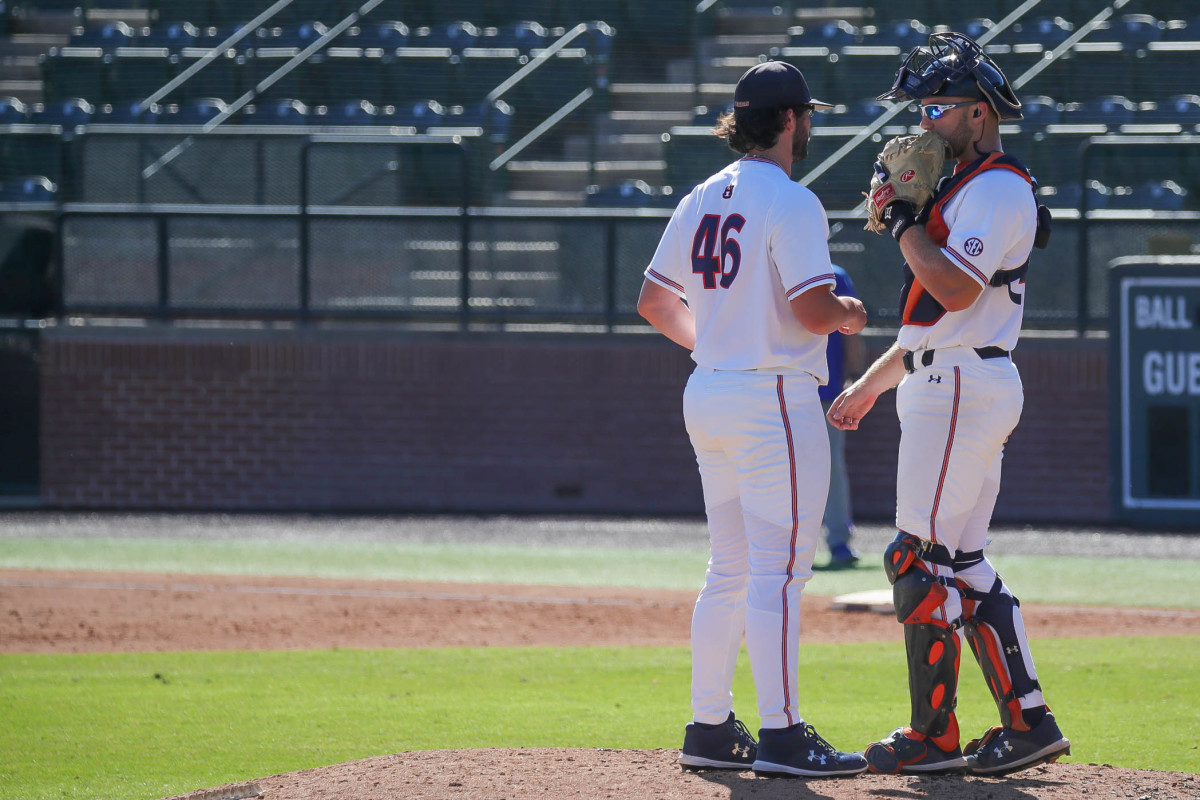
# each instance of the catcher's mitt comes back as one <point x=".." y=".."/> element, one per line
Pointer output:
<point x="908" y="169"/>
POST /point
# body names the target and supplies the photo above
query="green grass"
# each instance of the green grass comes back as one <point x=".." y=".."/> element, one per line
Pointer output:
<point x="1037" y="579"/>
<point x="139" y="726"/>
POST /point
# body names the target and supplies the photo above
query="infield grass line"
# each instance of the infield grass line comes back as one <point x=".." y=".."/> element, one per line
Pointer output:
<point x="1067" y="580"/>
<point x="151" y="725"/>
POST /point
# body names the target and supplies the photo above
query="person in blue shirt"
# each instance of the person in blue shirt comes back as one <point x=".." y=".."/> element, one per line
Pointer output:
<point x="846" y="361"/>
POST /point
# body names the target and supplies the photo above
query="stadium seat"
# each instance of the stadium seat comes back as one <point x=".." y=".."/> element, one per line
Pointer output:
<point x="1068" y="195"/>
<point x="200" y="111"/>
<point x="1111" y="110"/>
<point x="1162" y="195"/>
<point x="904" y="34"/>
<point x="288" y="111"/>
<point x="300" y="35"/>
<point x="1181" y="30"/>
<point x="67" y="113"/>
<point x="832" y="35"/>
<point x="975" y="28"/>
<point x="453" y="36"/>
<point x="30" y="189"/>
<point x="1134" y="31"/>
<point x="107" y="37"/>
<point x="1049" y="32"/>
<point x="1169" y="68"/>
<point x="495" y="118"/>
<point x="693" y="154"/>
<point x="419" y="115"/>
<point x="352" y="112"/>
<point x="165" y="12"/>
<point x="417" y="72"/>
<point x="1039" y="111"/>
<point x="521" y="36"/>
<point x="1182" y="109"/>
<point x="13" y="111"/>
<point x="127" y="113"/>
<point x="386" y="35"/>
<point x="174" y="36"/>
<point x="627" y="194"/>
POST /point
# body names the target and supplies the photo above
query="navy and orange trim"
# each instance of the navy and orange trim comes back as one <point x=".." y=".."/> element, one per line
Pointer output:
<point x="787" y="671"/>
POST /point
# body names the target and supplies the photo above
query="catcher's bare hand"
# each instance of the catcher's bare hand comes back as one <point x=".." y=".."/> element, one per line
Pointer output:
<point x="907" y="171"/>
<point x="847" y="411"/>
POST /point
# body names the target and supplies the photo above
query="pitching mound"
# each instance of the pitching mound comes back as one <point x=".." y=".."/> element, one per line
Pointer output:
<point x="642" y="774"/>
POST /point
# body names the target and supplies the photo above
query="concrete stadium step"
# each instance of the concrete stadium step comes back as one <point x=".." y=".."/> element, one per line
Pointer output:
<point x="637" y="146"/>
<point x="577" y="175"/>
<point x="745" y="45"/>
<point x="764" y="20"/>
<point x="26" y="20"/>
<point x="726" y="69"/>
<point x="652" y="96"/>
<point x="634" y="122"/>
<point x="30" y="45"/>
<point x="543" y="199"/>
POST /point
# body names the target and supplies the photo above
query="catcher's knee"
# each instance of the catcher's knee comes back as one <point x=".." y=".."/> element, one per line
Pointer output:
<point x="917" y="589"/>
<point x="991" y="632"/>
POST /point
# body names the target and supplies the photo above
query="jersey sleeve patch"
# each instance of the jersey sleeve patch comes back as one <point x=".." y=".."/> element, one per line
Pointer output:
<point x="666" y="282"/>
<point x="811" y="282"/>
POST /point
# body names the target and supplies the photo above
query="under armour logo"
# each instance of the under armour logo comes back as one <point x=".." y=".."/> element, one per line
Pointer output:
<point x="728" y="193"/>
<point x="1012" y="649"/>
<point x="820" y="758"/>
<point x="1002" y="748"/>
<point x="935" y="379"/>
<point x="742" y="750"/>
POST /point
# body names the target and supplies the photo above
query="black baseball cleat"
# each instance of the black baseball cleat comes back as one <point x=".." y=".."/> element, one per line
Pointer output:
<point x="725" y="746"/>
<point x="1004" y="750"/>
<point x="800" y="750"/>
<point x="911" y="753"/>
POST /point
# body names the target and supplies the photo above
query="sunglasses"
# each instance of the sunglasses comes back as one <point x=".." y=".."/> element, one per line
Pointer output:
<point x="937" y="111"/>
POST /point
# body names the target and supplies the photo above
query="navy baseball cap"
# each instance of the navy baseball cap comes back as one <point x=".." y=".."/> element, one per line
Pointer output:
<point x="774" y="84"/>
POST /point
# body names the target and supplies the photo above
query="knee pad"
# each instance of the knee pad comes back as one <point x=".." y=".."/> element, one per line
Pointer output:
<point x="991" y="632"/>
<point x="917" y="590"/>
<point x="933" y="656"/>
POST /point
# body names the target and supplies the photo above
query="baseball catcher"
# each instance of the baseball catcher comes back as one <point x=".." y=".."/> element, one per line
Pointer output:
<point x="966" y="240"/>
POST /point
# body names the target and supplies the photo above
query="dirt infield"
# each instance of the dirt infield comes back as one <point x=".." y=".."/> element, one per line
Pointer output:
<point x="75" y="612"/>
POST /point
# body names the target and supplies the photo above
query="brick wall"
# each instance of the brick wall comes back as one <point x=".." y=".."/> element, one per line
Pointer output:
<point x="398" y="422"/>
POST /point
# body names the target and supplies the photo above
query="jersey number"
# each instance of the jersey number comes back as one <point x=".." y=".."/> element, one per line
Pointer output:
<point x="714" y="252"/>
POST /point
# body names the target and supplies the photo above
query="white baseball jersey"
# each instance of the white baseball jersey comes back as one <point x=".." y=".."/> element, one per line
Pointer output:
<point x="738" y="248"/>
<point x="992" y="221"/>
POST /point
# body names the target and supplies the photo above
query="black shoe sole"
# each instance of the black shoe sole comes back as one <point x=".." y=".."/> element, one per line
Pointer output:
<point x="1048" y="758"/>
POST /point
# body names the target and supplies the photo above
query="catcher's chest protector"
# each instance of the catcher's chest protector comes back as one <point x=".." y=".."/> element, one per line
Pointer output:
<point x="917" y="306"/>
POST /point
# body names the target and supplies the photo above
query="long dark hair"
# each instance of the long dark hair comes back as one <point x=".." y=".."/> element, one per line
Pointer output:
<point x="752" y="129"/>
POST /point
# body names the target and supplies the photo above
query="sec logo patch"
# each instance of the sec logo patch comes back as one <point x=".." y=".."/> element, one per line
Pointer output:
<point x="973" y="246"/>
<point x="907" y="175"/>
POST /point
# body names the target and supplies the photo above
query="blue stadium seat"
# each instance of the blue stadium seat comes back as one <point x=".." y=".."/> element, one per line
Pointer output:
<point x="1134" y="31"/>
<point x="904" y="33"/>
<point x="1111" y="110"/>
<point x="1182" y="109"/>
<point x="30" y="189"/>
<point x="288" y="111"/>
<point x="1039" y="111"/>
<point x="833" y="35"/>
<point x="598" y="39"/>
<point x="626" y="194"/>
<point x="495" y="118"/>
<point x="1182" y="30"/>
<point x="1068" y="195"/>
<point x="451" y="35"/>
<point x="975" y="28"/>
<point x="1049" y="32"/>
<point x="199" y="111"/>
<point x="300" y="35"/>
<point x="173" y="36"/>
<point x="352" y="112"/>
<point x="128" y="113"/>
<point x="13" y="111"/>
<point x="165" y="12"/>
<point x="386" y="35"/>
<point x="1163" y="195"/>
<point x="108" y="36"/>
<point x="68" y="113"/>
<point x="419" y="115"/>
<point x="522" y="36"/>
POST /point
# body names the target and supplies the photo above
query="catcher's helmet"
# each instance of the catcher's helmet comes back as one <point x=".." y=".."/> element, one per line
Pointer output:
<point x="954" y="65"/>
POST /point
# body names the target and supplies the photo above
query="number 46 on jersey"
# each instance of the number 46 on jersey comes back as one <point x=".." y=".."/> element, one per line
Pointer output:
<point x="714" y="250"/>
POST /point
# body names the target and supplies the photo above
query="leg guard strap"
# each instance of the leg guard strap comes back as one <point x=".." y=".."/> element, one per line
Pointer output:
<point x="992" y="634"/>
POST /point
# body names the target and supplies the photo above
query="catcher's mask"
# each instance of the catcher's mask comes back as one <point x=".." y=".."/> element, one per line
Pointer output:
<point x="954" y="65"/>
